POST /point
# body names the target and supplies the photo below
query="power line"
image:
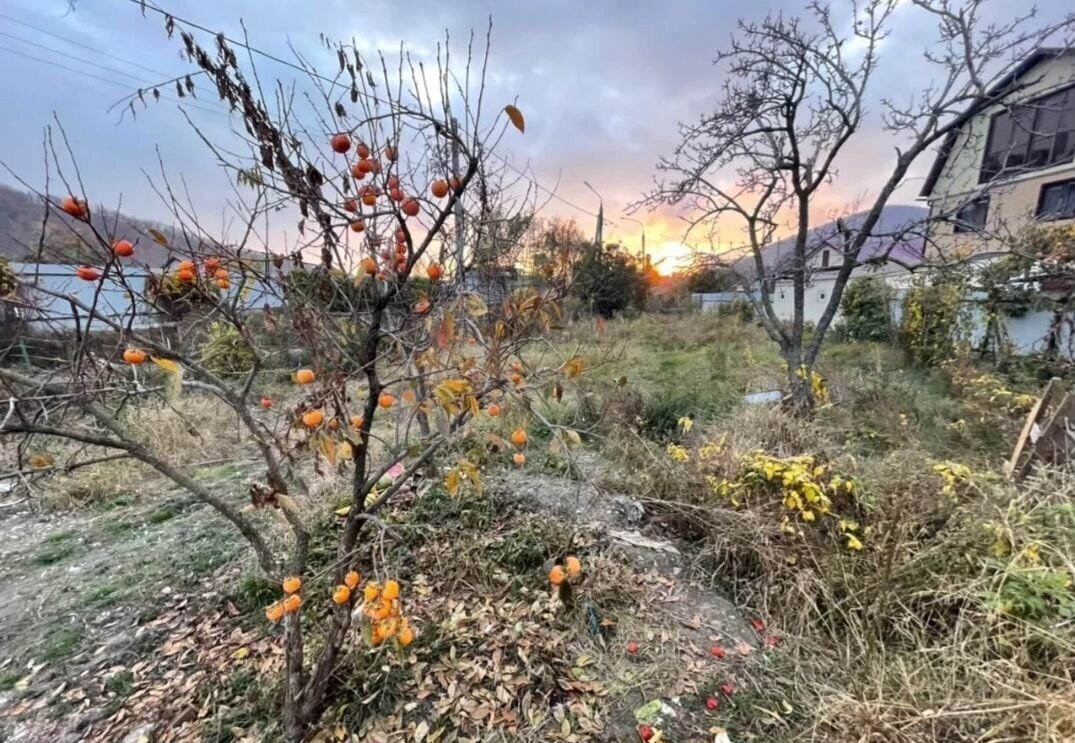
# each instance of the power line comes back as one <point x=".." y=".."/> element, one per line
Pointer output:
<point x="110" y="81"/>
<point x="70" y="56"/>
<point x="145" y="5"/>
<point x="73" y="42"/>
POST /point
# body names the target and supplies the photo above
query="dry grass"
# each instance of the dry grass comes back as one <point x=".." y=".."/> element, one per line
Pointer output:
<point x="193" y="429"/>
<point x="954" y="623"/>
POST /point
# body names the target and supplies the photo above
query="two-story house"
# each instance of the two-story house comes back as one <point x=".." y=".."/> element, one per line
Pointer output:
<point x="1011" y="166"/>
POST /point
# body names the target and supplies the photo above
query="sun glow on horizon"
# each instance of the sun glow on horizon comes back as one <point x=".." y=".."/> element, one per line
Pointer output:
<point x="670" y="256"/>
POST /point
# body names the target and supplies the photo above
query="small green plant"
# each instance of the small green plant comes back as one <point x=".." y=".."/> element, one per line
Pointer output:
<point x="865" y="309"/>
<point x="226" y="351"/>
<point x="8" y="679"/>
<point x="738" y="309"/>
<point x="50" y="554"/>
<point x="161" y="515"/>
<point x="61" y="644"/>
<point x="525" y="548"/>
<point x="120" y="683"/>
<point x="1034" y="593"/>
<point x="933" y="319"/>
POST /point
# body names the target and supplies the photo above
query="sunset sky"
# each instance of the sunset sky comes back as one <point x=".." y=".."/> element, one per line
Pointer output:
<point x="602" y="83"/>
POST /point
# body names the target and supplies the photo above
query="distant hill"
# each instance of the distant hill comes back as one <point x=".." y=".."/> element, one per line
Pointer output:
<point x="20" y="230"/>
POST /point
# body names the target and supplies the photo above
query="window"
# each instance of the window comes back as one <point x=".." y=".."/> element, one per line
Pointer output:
<point x="970" y="217"/>
<point x="1057" y="201"/>
<point x="1030" y="136"/>
<point x="824" y="259"/>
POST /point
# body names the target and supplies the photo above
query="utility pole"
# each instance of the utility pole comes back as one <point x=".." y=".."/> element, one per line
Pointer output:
<point x="599" y="236"/>
<point x="457" y="210"/>
<point x="643" y="226"/>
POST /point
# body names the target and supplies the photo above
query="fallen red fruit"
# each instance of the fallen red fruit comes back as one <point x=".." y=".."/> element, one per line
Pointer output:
<point x="726" y="689"/>
<point x="758" y="625"/>
<point x="711" y="703"/>
<point x="645" y="732"/>
<point x="772" y="641"/>
<point x="716" y="651"/>
<point x="632" y="647"/>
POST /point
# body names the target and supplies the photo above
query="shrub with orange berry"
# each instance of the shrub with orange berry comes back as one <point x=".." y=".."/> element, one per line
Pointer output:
<point x="370" y="316"/>
<point x="564" y="575"/>
<point x="382" y="608"/>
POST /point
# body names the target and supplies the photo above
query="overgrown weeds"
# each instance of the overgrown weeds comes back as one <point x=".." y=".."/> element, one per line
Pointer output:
<point x="877" y="537"/>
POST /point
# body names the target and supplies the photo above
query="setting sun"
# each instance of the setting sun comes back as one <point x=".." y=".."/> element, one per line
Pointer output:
<point x="670" y="256"/>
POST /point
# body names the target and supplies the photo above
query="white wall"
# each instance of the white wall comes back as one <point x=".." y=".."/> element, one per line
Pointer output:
<point x="819" y="291"/>
<point x="815" y="299"/>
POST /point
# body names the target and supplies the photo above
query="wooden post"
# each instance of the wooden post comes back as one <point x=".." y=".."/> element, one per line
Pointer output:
<point x="1052" y="402"/>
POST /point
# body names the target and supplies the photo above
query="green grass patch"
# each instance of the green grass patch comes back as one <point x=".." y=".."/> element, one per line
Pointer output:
<point x="208" y="555"/>
<point x="161" y="515"/>
<point x="102" y="593"/>
<point x="8" y="679"/>
<point x="50" y="554"/>
<point x="59" y="537"/>
<point x="62" y="643"/>
<point x="526" y="548"/>
<point x="226" y="471"/>
<point x="119" y="527"/>
<point x="253" y="592"/>
<point x="121" y="684"/>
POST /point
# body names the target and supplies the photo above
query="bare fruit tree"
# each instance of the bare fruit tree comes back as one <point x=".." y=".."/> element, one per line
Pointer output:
<point x="376" y="163"/>
<point x="796" y="94"/>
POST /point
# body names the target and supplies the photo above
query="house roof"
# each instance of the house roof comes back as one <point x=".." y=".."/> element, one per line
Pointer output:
<point x="896" y="237"/>
<point x="1031" y="60"/>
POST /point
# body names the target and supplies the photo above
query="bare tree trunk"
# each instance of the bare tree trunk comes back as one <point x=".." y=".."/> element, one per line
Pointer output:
<point x="295" y="722"/>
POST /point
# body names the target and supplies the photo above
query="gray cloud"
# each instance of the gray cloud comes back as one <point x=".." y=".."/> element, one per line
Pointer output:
<point x="603" y="83"/>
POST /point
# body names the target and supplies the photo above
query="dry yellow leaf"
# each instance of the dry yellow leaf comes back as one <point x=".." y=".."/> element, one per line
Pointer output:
<point x="171" y="367"/>
<point x="41" y="460"/>
<point x="516" y="117"/>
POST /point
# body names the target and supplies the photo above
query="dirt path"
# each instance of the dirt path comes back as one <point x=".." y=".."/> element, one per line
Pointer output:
<point x="684" y="629"/>
<point x="622" y="521"/>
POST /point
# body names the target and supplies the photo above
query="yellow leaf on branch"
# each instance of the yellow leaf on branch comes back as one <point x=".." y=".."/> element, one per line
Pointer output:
<point x="475" y="305"/>
<point x="516" y="117"/>
<point x="173" y="383"/>
<point x="328" y="448"/>
<point x="169" y="366"/>
<point x="452" y="394"/>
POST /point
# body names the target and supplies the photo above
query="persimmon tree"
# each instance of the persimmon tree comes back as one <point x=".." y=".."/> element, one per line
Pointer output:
<point x="796" y="94"/>
<point x="377" y="164"/>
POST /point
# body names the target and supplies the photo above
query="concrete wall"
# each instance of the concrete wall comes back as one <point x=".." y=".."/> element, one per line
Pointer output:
<point x="707" y="301"/>
<point x="1028" y="334"/>
<point x="44" y="312"/>
<point x="819" y="290"/>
